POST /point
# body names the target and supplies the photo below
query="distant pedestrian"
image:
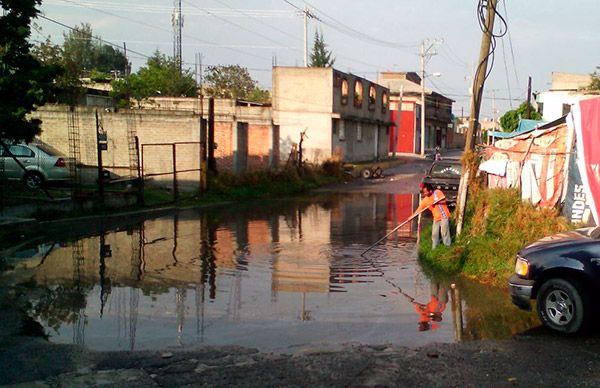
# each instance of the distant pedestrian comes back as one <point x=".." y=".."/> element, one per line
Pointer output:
<point x="440" y="213"/>
<point x="438" y="154"/>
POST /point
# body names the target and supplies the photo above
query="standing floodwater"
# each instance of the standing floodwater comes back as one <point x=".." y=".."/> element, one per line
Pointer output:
<point x="278" y="276"/>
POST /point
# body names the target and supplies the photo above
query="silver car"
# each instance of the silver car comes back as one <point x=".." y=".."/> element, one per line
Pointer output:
<point x="42" y="164"/>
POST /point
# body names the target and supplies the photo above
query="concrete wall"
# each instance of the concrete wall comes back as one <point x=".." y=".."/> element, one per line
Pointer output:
<point x="164" y="126"/>
<point x="372" y="145"/>
<point x="302" y="100"/>
<point x="311" y="99"/>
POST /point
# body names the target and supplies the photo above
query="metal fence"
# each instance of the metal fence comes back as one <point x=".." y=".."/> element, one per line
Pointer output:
<point x="178" y="167"/>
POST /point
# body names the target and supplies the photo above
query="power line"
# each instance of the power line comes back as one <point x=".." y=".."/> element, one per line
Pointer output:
<point x="139" y="54"/>
<point x="239" y="26"/>
<point x="95" y="37"/>
<point x="512" y="53"/>
<point x="165" y="30"/>
<point x="344" y="28"/>
<point x="157" y="9"/>
<point x="258" y="20"/>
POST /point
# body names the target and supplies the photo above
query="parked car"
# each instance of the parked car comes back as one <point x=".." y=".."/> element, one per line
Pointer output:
<point x="42" y="164"/>
<point x="445" y="175"/>
<point x="561" y="272"/>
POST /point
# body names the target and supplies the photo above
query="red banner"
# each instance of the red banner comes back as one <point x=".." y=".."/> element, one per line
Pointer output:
<point x="586" y="117"/>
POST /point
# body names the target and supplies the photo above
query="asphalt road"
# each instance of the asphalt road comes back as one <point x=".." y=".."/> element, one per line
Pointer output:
<point x="535" y="358"/>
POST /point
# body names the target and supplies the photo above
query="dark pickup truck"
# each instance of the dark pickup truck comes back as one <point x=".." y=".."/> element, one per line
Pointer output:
<point x="445" y="175"/>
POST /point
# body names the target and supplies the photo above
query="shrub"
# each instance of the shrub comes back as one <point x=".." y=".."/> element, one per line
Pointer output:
<point x="497" y="225"/>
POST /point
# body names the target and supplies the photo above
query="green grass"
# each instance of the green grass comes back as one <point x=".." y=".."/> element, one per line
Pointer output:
<point x="497" y="225"/>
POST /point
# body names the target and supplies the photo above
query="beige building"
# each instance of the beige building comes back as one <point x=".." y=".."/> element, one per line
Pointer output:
<point x="344" y="116"/>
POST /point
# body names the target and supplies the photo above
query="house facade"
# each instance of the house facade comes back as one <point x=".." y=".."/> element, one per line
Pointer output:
<point x="567" y="89"/>
<point x="406" y="129"/>
<point x="343" y="116"/>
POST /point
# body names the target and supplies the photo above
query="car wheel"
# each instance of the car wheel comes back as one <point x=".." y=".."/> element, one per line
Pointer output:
<point x="562" y="305"/>
<point x="33" y="180"/>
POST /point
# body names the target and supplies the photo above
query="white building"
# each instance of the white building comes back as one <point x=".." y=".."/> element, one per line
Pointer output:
<point x="567" y="89"/>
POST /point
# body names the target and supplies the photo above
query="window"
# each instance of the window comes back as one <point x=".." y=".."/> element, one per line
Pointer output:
<point x="341" y="130"/>
<point x="344" y="90"/>
<point x="384" y="102"/>
<point x="358" y="93"/>
<point x="21" y="151"/>
<point x="566" y="108"/>
<point x="372" y="97"/>
<point x="359" y="131"/>
<point x="445" y="170"/>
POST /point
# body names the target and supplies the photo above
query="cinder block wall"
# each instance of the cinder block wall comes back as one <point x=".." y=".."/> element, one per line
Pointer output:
<point x="158" y="126"/>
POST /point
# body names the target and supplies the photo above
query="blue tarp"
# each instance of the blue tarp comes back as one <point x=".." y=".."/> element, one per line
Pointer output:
<point x="525" y="126"/>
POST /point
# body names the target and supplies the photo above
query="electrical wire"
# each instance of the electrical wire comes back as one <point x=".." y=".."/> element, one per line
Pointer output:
<point x="512" y="53"/>
<point x="157" y="9"/>
<point x="506" y="71"/>
<point x="244" y="12"/>
<point x="238" y="25"/>
<point x="343" y="28"/>
<point x="164" y="29"/>
<point x="488" y="60"/>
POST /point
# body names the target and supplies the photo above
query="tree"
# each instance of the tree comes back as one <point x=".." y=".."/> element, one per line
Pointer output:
<point x="510" y="120"/>
<point x="231" y="81"/>
<point x="25" y="83"/>
<point x="259" y="95"/>
<point x="320" y="56"/>
<point x="595" y="83"/>
<point x="67" y="85"/>
<point x="83" y="53"/>
<point x="160" y="77"/>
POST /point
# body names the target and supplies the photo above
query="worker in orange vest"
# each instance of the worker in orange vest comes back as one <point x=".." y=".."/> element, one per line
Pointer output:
<point x="440" y="213"/>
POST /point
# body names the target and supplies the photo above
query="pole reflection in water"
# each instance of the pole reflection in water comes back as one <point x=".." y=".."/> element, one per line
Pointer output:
<point x="276" y="276"/>
<point x="457" y="312"/>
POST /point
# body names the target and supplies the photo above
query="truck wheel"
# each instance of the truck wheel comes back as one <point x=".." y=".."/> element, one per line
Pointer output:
<point x="366" y="173"/>
<point x="562" y="305"/>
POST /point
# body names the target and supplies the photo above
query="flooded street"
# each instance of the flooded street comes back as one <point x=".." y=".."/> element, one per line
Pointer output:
<point x="277" y="276"/>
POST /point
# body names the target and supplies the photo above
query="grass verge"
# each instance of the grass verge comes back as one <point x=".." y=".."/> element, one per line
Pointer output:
<point x="497" y="225"/>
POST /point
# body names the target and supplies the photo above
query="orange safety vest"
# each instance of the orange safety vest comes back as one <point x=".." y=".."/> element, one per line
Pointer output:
<point x="440" y="210"/>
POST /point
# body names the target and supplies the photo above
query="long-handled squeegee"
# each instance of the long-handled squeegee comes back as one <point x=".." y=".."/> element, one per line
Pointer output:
<point x="400" y="225"/>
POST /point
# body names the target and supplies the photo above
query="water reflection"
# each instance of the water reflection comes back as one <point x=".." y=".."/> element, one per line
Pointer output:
<point x="276" y="277"/>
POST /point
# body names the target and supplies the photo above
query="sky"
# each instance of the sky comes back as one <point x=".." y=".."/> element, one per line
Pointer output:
<point x="365" y="36"/>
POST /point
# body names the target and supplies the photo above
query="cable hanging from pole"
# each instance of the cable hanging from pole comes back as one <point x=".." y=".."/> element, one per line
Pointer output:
<point x="482" y="7"/>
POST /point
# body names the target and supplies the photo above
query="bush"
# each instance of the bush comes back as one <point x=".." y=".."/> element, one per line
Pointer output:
<point x="497" y="225"/>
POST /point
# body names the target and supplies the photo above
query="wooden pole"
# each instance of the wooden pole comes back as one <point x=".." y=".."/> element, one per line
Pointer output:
<point x="100" y="167"/>
<point x="212" y="163"/>
<point x="529" y="99"/>
<point x="478" y="83"/>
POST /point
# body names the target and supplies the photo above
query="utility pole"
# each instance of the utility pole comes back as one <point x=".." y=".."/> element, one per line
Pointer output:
<point x="306" y="15"/>
<point x="480" y="74"/>
<point x="126" y="69"/>
<point x="529" y="99"/>
<point x="478" y="82"/>
<point x="212" y="162"/>
<point x="425" y="54"/>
